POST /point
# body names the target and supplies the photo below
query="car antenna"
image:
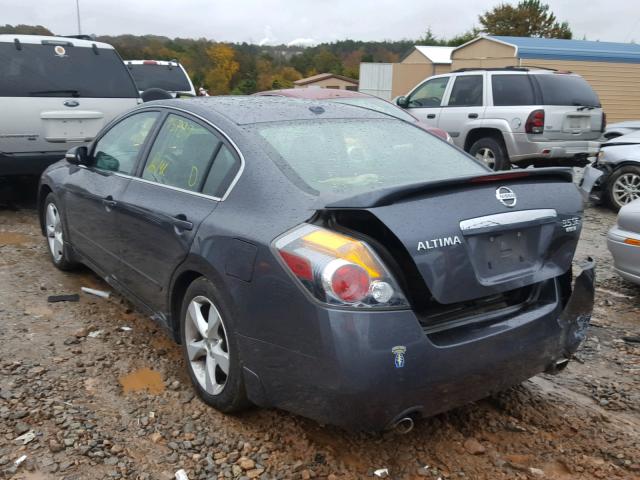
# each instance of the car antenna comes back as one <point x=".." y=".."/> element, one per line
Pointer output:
<point x="17" y="43"/>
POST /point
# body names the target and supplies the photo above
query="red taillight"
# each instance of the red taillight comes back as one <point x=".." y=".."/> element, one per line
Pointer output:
<point x="299" y="266"/>
<point x="604" y="122"/>
<point x="535" y="122"/>
<point x="348" y="282"/>
<point x="149" y="62"/>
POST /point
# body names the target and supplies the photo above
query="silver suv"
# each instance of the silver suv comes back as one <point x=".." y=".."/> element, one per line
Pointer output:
<point x="513" y="115"/>
<point x="56" y="92"/>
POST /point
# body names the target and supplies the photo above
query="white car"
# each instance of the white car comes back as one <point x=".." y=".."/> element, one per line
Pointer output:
<point x="56" y="92"/>
<point x="623" y="241"/>
<point x="167" y="75"/>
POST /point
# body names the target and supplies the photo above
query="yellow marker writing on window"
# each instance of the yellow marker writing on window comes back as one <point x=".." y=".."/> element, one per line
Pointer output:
<point x="193" y="177"/>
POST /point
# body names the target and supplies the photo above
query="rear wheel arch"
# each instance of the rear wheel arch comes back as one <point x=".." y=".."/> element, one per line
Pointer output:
<point x="191" y="270"/>
<point x="477" y="133"/>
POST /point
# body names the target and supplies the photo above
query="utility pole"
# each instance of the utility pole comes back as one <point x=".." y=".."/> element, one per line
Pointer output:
<point x="78" y="15"/>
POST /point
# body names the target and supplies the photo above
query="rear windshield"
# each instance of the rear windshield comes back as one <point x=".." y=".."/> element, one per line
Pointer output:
<point x="167" y="77"/>
<point x="560" y="89"/>
<point x="63" y="71"/>
<point x="353" y="156"/>
<point x="378" y="105"/>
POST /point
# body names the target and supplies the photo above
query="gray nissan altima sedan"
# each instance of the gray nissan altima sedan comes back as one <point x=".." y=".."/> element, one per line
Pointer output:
<point x="325" y="259"/>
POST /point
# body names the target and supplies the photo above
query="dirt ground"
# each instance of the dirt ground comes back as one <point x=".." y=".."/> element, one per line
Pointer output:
<point x="92" y="390"/>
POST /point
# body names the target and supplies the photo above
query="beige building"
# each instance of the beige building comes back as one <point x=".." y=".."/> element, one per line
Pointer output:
<point x="388" y="80"/>
<point x="327" y="80"/>
<point x="612" y="69"/>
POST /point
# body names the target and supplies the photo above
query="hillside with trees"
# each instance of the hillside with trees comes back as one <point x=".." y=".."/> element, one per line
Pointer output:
<point x="242" y="68"/>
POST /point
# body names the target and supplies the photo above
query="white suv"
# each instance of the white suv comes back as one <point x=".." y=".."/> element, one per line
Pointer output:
<point x="513" y="115"/>
<point x="56" y="92"/>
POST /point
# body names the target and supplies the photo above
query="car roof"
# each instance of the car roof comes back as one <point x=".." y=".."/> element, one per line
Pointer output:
<point x="312" y="93"/>
<point x="43" y="39"/>
<point x="244" y="110"/>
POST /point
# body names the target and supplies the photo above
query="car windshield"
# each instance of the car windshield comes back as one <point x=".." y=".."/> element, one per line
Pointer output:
<point x="378" y="105"/>
<point x="562" y="89"/>
<point x="353" y="156"/>
<point x="168" y="77"/>
<point x="63" y="71"/>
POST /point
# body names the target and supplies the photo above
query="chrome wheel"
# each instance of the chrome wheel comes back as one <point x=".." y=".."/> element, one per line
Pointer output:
<point x="207" y="345"/>
<point x="54" y="232"/>
<point x="487" y="156"/>
<point x="626" y="188"/>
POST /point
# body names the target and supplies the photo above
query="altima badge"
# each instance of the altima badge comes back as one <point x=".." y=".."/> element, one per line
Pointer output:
<point x="506" y="196"/>
<point x="398" y="353"/>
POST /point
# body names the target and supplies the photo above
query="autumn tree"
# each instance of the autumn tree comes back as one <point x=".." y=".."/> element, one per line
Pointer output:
<point x="224" y="66"/>
<point x="529" y="18"/>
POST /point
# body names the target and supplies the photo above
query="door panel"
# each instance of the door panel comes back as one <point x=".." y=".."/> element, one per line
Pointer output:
<point x="156" y="228"/>
<point x="91" y="215"/>
<point x="465" y="105"/>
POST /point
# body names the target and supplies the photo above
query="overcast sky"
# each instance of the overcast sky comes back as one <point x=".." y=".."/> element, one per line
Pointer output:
<point x="306" y="21"/>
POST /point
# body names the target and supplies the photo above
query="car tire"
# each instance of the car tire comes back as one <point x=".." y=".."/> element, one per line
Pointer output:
<point x="55" y="233"/>
<point x="491" y="152"/>
<point x="209" y="347"/>
<point x="623" y="186"/>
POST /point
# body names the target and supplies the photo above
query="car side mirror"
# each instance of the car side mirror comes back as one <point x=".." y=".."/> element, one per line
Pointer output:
<point x="402" y="102"/>
<point x="78" y="155"/>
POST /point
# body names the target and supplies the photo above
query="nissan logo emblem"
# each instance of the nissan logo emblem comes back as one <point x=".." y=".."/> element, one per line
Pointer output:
<point x="506" y="196"/>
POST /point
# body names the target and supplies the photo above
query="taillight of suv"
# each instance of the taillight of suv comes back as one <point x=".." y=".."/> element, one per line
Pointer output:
<point x="535" y="122"/>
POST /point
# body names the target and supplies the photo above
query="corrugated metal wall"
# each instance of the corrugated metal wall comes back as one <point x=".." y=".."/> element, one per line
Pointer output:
<point x="376" y="79"/>
<point x="617" y="84"/>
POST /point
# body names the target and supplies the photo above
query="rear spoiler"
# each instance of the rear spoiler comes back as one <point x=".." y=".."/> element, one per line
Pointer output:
<point x="387" y="196"/>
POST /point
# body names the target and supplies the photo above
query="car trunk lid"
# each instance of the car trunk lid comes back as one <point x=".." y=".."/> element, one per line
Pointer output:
<point x="475" y="237"/>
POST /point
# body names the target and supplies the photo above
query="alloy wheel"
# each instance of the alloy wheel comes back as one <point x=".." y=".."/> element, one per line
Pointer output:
<point x="626" y="188"/>
<point x="207" y="345"/>
<point x="54" y="232"/>
<point x="487" y="156"/>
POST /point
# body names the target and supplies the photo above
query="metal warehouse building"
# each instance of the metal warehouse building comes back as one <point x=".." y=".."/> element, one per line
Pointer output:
<point x="388" y="80"/>
<point x="612" y="69"/>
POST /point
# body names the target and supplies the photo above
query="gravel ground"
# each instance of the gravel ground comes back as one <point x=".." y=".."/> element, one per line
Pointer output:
<point x="93" y="390"/>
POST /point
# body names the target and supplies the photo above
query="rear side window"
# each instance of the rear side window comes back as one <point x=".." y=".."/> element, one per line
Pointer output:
<point x="223" y="171"/>
<point x="118" y="149"/>
<point x="511" y="90"/>
<point x="168" y="77"/>
<point x="181" y="154"/>
<point x="561" y="89"/>
<point x="466" y="91"/>
<point x="63" y="71"/>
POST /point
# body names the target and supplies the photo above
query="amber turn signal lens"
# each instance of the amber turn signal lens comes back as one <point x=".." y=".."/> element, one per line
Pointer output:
<point x="632" y="241"/>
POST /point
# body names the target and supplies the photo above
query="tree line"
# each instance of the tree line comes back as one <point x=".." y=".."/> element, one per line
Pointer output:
<point x="243" y="68"/>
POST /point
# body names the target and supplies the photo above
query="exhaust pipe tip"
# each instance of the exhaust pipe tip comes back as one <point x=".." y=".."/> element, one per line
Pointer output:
<point x="404" y="425"/>
<point x="557" y="366"/>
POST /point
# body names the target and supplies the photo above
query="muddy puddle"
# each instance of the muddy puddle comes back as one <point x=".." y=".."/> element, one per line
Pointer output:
<point x="142" y="380"/>
<point x="14" y="238"/>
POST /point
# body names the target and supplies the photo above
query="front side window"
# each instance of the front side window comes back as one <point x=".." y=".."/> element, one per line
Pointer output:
<point x="118" y="149"/>
<point x="429" y="94"/>
<point x="466" y="91"/>
<point x="181" y="154"/>
<point x="353" y="156"/>
<point x="63" y="71"/>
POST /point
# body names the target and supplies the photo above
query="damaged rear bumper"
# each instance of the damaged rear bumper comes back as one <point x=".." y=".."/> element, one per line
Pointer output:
<point x="361" y="383"/>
